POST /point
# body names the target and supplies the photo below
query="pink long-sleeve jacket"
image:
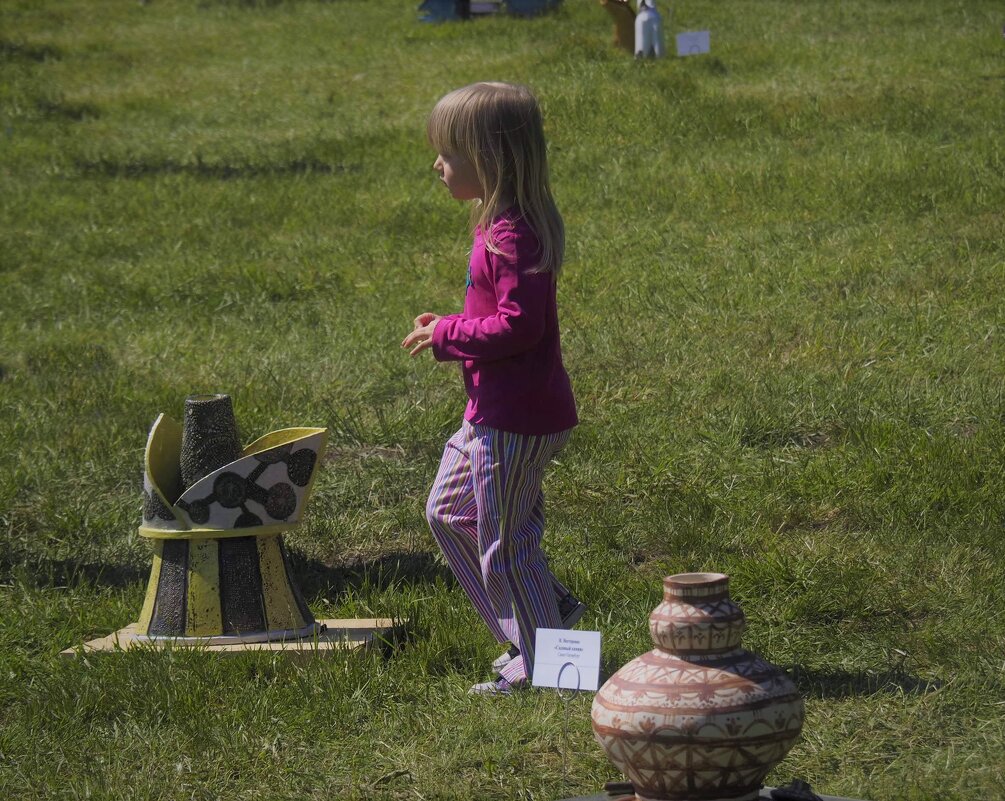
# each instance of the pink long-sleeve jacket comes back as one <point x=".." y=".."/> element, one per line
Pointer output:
<point x="507" y="337"/>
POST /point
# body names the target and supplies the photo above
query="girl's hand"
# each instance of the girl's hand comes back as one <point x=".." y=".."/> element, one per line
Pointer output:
<point x="422" y="334"/>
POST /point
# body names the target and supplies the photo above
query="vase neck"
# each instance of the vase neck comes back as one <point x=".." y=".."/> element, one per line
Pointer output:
<point x="696" y="587"/>
<point x="697" y="617"/>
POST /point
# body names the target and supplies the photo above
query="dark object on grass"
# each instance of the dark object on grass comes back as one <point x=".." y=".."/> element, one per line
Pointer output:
<point x="617" y="790"/>
<point x="530" y="8"/>
<point x="625" y="791"/>
<point x="444" y="10"/>
<point x="449" y="10"/>
<point x="796" y="790"/>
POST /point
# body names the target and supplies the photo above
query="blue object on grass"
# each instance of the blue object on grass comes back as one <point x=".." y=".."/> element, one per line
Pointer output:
<point x="439" y="10"/>
<point x="448" y="10"/>
<point x="530" y="8"/>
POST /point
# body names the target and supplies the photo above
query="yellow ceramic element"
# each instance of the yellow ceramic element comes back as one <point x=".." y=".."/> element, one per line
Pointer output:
<point x="155" y="574"/>
<point x="164" y="445"/>
<point x="282" y="436"/>
<point x="203" y="601"/>
<point x="215" y="533"/>
<point x="280" y="605"/>
<point x="163" y="458"/>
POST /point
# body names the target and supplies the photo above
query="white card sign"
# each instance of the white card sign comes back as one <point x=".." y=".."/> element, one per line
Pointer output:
<point x="693" y="43"/>
<point x="569" y="660"/>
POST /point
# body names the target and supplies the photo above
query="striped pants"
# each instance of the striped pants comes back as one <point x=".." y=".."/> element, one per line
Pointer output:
<point x="486" y="512"/>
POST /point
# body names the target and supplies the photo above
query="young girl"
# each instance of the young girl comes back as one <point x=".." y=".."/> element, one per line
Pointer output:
<point x="486" y="508"/>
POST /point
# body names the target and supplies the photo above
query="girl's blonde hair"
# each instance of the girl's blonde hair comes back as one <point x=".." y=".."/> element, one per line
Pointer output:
<point x="497" y="127"/>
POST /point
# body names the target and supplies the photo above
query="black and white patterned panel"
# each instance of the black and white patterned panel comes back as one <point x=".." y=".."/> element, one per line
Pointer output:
<point x="263" y="489"/>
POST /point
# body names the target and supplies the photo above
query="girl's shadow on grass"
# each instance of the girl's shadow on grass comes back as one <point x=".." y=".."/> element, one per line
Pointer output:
<point x="387" y="571"/>
<point x="317" y="579"/>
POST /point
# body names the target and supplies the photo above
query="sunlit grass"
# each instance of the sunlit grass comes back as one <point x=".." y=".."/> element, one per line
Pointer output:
<point x="781" y="312"/>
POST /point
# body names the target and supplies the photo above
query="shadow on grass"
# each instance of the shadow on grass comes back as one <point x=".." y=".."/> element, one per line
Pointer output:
<point x="836" y="684"/>
<point x="22" y="51"/>
<point x="62" y="109"/>
<point x="140" y="168"/>
<point x="312" y="576"/>
<point x="380" y="573"/>
<point x="45" y="572"/>
<point x="252" y="4"/>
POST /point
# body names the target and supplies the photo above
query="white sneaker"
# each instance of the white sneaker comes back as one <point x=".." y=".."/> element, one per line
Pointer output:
<point x="498" y="687"/>
<point x="571" y="610"/>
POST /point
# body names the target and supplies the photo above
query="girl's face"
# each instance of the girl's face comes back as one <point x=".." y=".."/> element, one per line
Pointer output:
<point x="460" y="177"/>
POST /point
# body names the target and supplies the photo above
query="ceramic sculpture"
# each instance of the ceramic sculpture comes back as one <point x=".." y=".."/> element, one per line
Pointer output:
<point x="697" y="717"/>
<point x="624" y="23"/>
<point x="216" y="514"/>
<point x="648" y="31"/>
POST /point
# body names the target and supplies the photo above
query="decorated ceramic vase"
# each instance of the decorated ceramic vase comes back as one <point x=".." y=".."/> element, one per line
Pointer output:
<point x="698" y="718"/>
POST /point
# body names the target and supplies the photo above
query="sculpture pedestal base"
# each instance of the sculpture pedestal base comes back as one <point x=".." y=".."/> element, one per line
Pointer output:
<point x="340" y="635"/>
<point x="763" y="795"/>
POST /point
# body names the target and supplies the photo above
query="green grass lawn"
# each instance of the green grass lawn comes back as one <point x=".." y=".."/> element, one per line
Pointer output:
<point x="782" y="312"/>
